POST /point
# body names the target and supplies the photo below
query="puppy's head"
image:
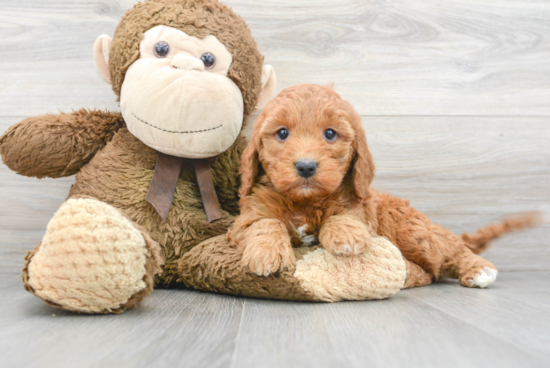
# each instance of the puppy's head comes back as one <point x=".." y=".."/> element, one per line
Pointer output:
<point x="308" y="142"/>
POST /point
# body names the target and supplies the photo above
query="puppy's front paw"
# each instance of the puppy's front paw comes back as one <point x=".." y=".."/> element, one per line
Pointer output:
<point x="344" y="235"/>
<point x="268" y="254"/>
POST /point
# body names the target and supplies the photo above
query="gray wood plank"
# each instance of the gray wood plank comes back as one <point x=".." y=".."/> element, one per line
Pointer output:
<point x="410" y="57"/>
<point x="46" y="57"/>
<point x="404" y="57"/>
<point x="514" y="309"/>
<point x="463" y="172"/>
<point x="402" y="331"/>
<point x="438" y="325"/>
<point x="171" y="329"/>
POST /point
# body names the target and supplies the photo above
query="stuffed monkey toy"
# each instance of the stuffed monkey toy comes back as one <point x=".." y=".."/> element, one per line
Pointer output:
<point x="161" y="176"/>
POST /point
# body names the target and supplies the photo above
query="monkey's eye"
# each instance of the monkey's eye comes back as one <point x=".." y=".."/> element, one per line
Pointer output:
<point x="161" y="49"/>
<point x="282" y="134"/>
<point x="330" y="135"/>
<point x="208" y="59"/>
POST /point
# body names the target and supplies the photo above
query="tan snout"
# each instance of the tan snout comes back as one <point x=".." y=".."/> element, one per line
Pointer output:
<point x="186" y="62"/>
<point x="306" y="150"/>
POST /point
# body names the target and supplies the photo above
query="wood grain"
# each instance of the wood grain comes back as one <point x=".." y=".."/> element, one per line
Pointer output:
<point x="171" y="329"/>
<point x="402" y="331"/>
<point x="443" y="325"/>
<point x="401" y="57"/>
<point x="485" y="312"/>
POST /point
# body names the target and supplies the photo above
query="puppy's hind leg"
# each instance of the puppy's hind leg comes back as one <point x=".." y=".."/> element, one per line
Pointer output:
<point x="416" y="276"/>
<point x="470" y="269"/>
<point x="435" y="249"/>
<point x="474" y="271"/>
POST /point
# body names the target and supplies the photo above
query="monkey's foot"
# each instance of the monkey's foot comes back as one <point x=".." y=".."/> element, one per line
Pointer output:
<point x="92" y="260"/>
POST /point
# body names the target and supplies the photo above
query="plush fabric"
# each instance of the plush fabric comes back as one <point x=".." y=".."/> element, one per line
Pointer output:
<point x="92" y="259"/>
<point x="102" y="46"/>
<point x="198" y="18"/>
<point x="57" y="145"/>
<point x="163" y="100"/>
<point x="107" y="247"/>
<point x="318" y="275"/>
<point x="120" y="174"/>
<point x="376" y="274"/>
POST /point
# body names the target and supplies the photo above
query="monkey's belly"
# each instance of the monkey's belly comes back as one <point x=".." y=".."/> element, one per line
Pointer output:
<point x="120" y="175"/>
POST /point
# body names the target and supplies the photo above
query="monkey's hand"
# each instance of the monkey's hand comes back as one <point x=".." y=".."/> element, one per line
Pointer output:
<point x="344" y="235"/>
<point x="57" y="145"/>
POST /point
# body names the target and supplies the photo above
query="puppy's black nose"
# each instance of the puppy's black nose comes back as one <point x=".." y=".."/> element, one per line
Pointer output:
<point x="306" y="167"/>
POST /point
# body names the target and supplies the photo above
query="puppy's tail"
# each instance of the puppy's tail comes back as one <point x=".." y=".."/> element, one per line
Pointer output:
<point x="480" y="240"/>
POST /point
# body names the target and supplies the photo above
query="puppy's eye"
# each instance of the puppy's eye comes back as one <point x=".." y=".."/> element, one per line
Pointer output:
<point x="330" y="135"/>
<point x="208" y="59"/>
<point x="161" y="49"/>
<point x="282" y="134"/>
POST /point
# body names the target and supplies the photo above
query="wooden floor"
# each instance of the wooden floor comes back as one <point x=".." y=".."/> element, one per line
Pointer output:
<point x="455" y="99"/>
<point x="443" y="325"/>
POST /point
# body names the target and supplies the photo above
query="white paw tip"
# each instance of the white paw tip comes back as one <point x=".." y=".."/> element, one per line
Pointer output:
<point x="484" y="278"/>
<point x="347" y="248"/>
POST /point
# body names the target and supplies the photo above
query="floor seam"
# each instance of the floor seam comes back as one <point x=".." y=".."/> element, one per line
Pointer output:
<point x="237" y="337"/>
<point x="535" y="354"/>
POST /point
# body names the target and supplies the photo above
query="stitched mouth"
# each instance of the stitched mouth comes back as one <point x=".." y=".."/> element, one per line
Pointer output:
<point x="175" y="131"/>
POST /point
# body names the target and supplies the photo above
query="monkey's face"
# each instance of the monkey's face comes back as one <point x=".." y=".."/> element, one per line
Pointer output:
<point x="185" y="84"/>
<point x="177" y="98"/>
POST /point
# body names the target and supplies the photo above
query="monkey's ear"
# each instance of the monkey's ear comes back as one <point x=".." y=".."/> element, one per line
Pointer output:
<point x="102" y="46"/>
<point x="269" y="83"/>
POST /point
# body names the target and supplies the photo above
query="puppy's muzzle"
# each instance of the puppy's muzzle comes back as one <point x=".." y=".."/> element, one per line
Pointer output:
<point x="306" y="167"/>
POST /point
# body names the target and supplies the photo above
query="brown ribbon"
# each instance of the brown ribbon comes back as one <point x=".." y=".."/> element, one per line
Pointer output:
<point x="164" y="181"/>
<point x="208" y="192"/>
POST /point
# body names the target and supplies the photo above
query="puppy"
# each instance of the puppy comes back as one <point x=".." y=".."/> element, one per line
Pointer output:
<point x="306" y="177"/>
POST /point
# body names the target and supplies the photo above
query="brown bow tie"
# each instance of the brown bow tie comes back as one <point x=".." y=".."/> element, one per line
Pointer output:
<point x="164" y="181"/>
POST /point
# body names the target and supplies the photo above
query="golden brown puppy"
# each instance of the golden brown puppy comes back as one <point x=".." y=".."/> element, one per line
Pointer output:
<point x="306" y="177"/>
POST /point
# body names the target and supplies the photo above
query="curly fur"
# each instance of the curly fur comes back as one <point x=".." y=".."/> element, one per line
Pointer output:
<point x="336" y="205"/>
<point x="481" y="239"/>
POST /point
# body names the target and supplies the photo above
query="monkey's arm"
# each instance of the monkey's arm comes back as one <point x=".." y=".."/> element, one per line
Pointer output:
<point x="57" y="145"/>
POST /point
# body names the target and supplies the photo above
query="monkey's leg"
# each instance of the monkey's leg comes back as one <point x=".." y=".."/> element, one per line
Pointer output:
<point x="57" y="145"/>
<point x="92" y="260"/>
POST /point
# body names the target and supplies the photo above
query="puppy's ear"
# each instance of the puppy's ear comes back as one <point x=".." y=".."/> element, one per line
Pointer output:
<point x="363" y="164"/>
<point x="250" y="161"/>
